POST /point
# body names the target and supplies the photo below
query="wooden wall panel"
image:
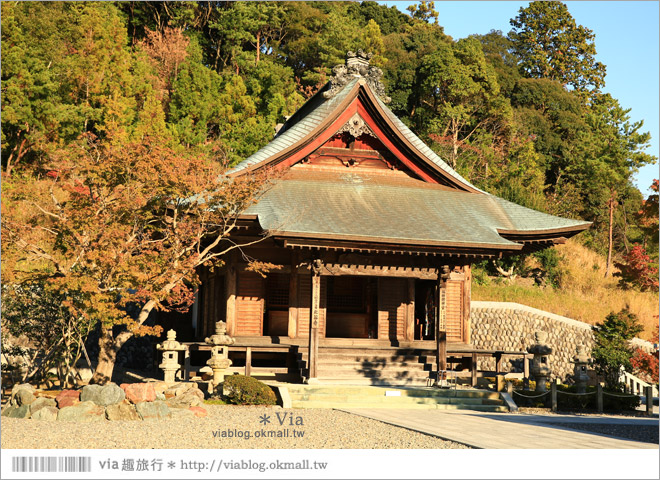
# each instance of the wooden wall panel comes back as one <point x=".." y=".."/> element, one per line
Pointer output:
<point x="392" y="300"/>
<point x="249" y="304"/>
<point x="304" y="301"/>
<point x="455" y="310"/>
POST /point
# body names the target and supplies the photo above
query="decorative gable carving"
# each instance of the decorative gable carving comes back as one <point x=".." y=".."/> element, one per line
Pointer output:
<point x="356" y="126"/>
<point x="357" y="65"/>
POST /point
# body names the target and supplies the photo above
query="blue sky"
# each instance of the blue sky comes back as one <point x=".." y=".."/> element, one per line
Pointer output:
<point x="627" y="42"/>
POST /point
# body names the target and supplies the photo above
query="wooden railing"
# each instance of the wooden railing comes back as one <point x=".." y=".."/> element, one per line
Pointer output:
<point x="636" y="385"/>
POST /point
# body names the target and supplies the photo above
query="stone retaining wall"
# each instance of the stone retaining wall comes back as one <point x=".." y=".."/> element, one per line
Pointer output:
<point x="511" y="326"/>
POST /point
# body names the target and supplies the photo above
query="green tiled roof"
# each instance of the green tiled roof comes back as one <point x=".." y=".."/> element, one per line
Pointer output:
<point x="368" y="206"/>
<point x="315" y="110"/>
<point x="371" y="207"/>
<point x="304" y="121"/>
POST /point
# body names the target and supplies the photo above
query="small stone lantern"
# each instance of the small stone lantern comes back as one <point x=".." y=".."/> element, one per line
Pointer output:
<point x="581" y="361"/>
<point x="540" y="369"/>
<point x="171" y="349"/>
<point x="219" y="360"/>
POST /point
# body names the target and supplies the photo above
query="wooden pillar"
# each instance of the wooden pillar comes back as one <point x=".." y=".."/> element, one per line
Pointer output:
<point x="467" y="294"/>
<point x="314" y="321"/>
<point x="410" y="312"/>
<point x="230" y="293"/>
<point x="648" y="393"/>
<point x="293" y="297"/>
<point x="473" y="370"/>
<point x="553" y="396"/>
<point x="498" y="362"/>
<point x="441" y="325"/>
<point x="526" y="366"/>
<point x="248" y="361"/>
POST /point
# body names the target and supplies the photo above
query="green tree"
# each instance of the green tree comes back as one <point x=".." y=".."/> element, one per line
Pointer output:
<point x="550" y="45"/>
<point x="425" y="12"/>
<point x="612" y="351"/>
<point x="461" y="97"/>
<point x="612" y="149"/>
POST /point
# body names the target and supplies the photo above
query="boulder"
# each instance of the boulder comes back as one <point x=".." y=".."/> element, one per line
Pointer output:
<point x="68" y="398"/>
<point x="102" y="395"/>
<point x="190" y="398"/>
<point x="21" y="387"/>
<point x="87" y="411"/>
<point x="47" y="413"/>
<point x="15" y="411"/>
<point x="139" y="392"/>
<point x="153" y="410"/>
<point x="40" y="403"/>
<point x="24" y="397"/>
<point x="178" y="413"/>
<point x="198" y="411"/>
<point x="121" y="411"/>
<point x="160" y="387"/>
<point x="179" y="389"/>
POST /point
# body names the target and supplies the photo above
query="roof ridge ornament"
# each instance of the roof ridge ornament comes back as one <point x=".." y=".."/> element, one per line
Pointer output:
<point x="356" y="66"/>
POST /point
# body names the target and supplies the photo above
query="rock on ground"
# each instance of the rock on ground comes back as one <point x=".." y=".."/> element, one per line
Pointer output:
<point x="86" y="411"/>
<point x="15" y="411"/>
<point x="24" y="397"/>
<point x="103" y="395"/>
<point x="190" y="398"/>
<point x="48" y="413"/>
<point x="121" y="411"/>
<point x="153" y="410"/>
<point x="40" y="403"/>
<point x="139" y="392"/>
<point x="68" y="398"/>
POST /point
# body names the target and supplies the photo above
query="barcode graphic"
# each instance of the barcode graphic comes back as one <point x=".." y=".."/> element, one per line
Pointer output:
<point x="51" y="464"/>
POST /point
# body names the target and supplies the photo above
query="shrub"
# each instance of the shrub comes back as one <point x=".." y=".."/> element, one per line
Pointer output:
<point x="612" y="351"/>
<point x="550" y="259"/>
<point x="242" y="390"/>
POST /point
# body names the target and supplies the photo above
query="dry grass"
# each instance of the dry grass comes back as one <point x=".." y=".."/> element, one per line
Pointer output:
<point x="585" y="293"/>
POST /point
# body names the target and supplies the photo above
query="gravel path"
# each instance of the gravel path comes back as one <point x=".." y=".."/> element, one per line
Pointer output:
<point x="321" y="429"/>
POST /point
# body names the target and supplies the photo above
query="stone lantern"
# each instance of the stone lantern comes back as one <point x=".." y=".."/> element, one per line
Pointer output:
<point x="171" y="349"/>
<point x="540" y="369"/>
<point x="581" y="361"/>
<point x="219" y="360"/>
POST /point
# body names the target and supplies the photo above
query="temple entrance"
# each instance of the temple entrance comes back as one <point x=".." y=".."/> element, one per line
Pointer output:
<point x="425" y="305"/>
<point x="351" y="307"/>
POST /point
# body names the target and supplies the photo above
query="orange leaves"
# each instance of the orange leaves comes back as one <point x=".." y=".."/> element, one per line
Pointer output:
<point x="119" y="227"/>
<point x="167" y="51"/>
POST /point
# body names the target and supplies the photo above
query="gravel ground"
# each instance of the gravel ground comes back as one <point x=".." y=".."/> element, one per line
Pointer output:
<point x="638" y="433"/>
<point x="322" y="428"/>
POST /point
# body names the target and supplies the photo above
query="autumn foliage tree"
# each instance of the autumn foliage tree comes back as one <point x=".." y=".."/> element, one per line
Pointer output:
<point x="123" y="224"/>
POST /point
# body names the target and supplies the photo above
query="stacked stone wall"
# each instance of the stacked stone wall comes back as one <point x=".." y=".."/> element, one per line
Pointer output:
<point x="511" y="326"/>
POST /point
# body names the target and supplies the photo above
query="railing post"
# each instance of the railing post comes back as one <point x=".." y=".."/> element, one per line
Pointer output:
<point x="599" y="398"/>
<point x="248" y="361"/>
<point x="553" y="395"/>
<point x="649" y="400"/>
<point x="509" y="388"/>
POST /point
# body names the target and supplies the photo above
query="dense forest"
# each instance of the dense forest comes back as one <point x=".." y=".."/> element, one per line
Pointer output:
<point x="521" y="114"/>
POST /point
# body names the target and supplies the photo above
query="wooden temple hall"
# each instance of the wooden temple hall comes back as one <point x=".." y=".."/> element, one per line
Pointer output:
<point x="373" y="236"/>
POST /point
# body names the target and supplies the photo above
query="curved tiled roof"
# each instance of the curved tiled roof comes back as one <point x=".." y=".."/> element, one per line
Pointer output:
<point x="366" y="206"/>
<point x="301" y="124"/>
